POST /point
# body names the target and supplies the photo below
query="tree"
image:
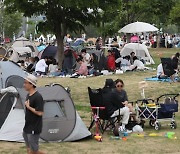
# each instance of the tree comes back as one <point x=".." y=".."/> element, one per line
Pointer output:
<point x="175" y="14"/>
<point x="106" y="19"/>
<point x="61" y="15"/>
<point x="12" y="23"/>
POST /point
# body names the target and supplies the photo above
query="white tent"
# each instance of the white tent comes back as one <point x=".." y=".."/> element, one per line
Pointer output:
<point x="20" y="53"/>
<point x="24" y="42"/>
<point x="138" y="27"/>
<point x="140" y="50"/>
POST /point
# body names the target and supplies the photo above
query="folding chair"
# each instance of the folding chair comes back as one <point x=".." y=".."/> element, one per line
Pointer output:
<point x="99" y="115"/>
<point x="167" y="66"/>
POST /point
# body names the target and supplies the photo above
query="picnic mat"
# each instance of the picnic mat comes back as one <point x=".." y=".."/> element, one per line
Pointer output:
<point x="160" y="80"/>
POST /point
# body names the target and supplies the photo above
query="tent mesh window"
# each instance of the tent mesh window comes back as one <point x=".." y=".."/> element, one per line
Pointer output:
<point x="53" y="109"/>
<point x="6" y="104"/>
<point x="15" y="81"/>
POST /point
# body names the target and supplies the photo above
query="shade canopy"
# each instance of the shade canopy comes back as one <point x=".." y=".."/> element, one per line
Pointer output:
<point x="138" y="27"/>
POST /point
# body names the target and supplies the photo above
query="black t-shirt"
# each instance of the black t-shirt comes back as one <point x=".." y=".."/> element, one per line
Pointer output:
<point x="113" y="99"/>
<point x="107" y="96"/>
<point x="117" y="98"/>
<point x="33" y="122"/>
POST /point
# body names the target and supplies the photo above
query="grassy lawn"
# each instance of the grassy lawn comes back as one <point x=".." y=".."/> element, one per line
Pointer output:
<point x="134" y="145"/>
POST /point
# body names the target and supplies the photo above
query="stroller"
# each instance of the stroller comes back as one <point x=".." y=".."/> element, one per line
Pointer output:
<point x="163" y="109"/>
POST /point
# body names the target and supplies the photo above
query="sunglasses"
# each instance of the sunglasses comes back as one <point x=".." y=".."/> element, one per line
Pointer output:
<point x="119" y="86"/>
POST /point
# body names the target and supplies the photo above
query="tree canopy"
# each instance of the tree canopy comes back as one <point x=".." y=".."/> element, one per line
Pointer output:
<point x="175" y="14"/>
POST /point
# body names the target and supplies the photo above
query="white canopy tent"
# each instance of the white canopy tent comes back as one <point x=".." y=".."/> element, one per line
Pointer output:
<point x="138" y="27"/>
<point x="140" y="50"/>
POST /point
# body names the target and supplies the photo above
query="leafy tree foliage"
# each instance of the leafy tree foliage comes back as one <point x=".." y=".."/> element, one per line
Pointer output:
<point x="10" y="23"/>
<point x="175" y="14"/>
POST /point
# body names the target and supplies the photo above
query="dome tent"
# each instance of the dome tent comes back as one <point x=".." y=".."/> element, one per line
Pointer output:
<point x="140" y="50"/>
<point x="11" y="74"/>
<point x="61" y="122"/>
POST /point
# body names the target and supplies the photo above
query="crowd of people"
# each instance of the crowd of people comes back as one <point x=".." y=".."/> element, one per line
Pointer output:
<point x="82" y="64"/>
<point x="150" y="39"/>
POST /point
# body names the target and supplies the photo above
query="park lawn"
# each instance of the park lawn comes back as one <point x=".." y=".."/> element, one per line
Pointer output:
<point x="135" y="145"/>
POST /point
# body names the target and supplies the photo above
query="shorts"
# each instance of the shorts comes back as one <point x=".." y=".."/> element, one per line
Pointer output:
<point x="32" y="141"/>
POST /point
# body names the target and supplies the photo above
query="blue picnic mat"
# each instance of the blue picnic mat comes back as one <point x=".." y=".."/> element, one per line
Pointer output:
<point x="159" y="80"/>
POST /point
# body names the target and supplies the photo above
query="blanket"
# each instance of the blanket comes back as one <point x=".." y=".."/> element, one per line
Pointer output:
<point x="160" y="80"/>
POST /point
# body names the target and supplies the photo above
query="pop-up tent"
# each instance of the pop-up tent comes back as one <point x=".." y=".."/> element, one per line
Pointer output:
<point x="140" y="50"/>
<point x="3" y="53"/>
<point x="20" y="53"/>
<point x="61" y="122"/>
<point x="24" y="42"/>
<point x="10" y="73"/>
<point x="49" y="51"/>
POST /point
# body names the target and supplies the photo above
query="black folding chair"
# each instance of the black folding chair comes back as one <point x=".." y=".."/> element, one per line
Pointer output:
<point x="99" y="116"/>
<point x="167" y="66"/>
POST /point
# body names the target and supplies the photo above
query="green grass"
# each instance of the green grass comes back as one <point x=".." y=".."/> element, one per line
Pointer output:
<point x="133" y="145"/>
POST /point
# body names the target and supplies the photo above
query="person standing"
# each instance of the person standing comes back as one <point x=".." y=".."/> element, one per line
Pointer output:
<point x="33" y="116"/>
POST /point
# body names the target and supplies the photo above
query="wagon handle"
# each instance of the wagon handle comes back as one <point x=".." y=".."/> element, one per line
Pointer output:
<point x="145" y="100"/>
<point x="175" y="95"/>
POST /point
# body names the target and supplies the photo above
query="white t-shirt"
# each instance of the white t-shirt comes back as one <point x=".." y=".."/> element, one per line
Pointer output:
<point x="41" y="66"/>
<point x="124" y="62"/>
<point x="139" y="64"/>
<point x="160" y="70"/>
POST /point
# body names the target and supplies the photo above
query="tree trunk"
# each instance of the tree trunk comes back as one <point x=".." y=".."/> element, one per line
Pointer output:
<point x="60" y="46"/>
<point x="158" y="40"/>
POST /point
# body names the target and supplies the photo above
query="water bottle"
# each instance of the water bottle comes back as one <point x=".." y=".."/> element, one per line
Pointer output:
<point x="121" y="133"/>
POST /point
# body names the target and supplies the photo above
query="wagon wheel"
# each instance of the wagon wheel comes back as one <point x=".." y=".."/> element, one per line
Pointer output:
<point x="157" y="126"/>
<point x="152" y="123"/>
<point x="173" y="125"/>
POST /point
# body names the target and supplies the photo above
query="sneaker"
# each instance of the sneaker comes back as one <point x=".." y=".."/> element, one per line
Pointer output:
<point x="121" y="129"/>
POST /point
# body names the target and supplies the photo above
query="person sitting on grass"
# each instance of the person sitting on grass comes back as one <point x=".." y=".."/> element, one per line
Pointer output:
<point x="53" y="68"/>
<point x="111" y="61"/>
<point x="86" y="57"/>
<point x="132" y="55"/>
<point x="137" y="64"/>
<point x="41" y="66"/>
<point x="175" y="61"/>
<point x="83" y="70"/>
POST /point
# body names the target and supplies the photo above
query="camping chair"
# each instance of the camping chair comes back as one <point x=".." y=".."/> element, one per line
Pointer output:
<point x="167" y="66"/>
<point x="99" y="115"/>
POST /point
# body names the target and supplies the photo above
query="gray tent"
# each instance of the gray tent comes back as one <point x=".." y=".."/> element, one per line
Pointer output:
<point x="10" y="72"/>
<point x="3" y="53"/>
<point x="61" y="122"/>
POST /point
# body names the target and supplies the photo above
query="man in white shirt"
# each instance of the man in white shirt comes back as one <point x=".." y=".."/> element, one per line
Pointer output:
<point x="41" y="66"/>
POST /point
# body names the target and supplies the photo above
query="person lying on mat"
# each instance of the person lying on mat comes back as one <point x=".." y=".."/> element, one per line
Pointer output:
<point x="83" y="70"/>
<point x="119" y="100"/>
